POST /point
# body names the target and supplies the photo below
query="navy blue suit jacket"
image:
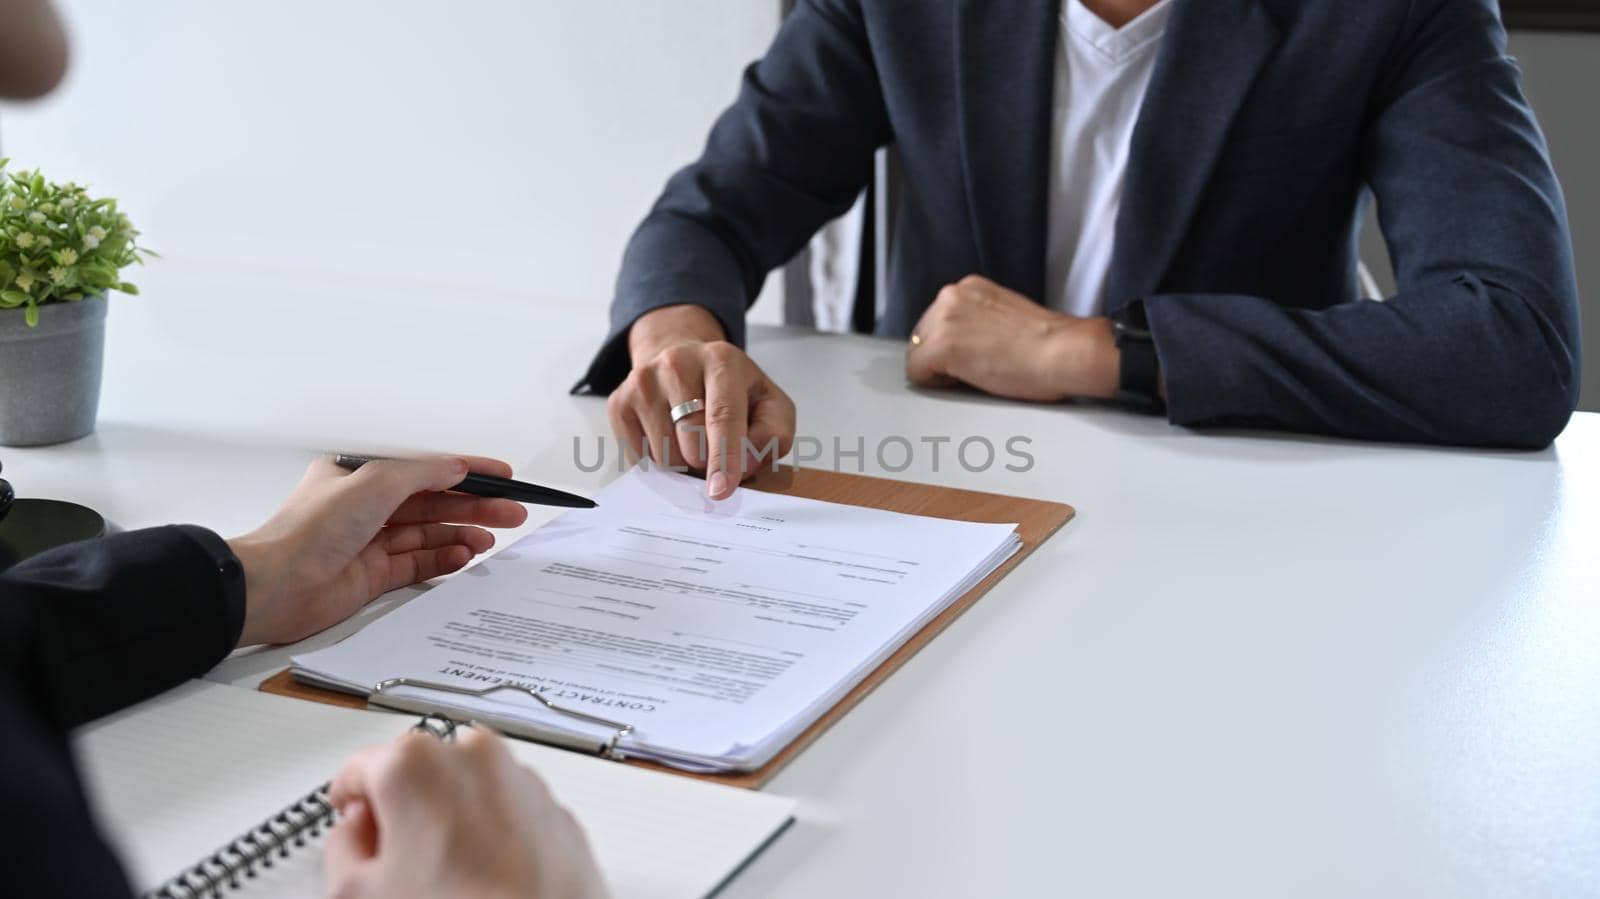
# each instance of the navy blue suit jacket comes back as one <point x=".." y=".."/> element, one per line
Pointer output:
<point x="1263" y="121"/>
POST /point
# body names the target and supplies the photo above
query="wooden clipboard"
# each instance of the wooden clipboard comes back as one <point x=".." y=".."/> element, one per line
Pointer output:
<point x="1036" y="520"/>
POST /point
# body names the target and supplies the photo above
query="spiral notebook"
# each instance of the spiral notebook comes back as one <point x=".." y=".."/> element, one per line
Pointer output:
<point x="211" y="790"/>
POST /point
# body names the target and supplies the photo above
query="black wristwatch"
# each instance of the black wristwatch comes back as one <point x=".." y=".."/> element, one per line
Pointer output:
<point x="1139" y="381"/>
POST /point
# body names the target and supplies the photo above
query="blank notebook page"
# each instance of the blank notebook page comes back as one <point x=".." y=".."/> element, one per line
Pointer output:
<point x="176" y="778"/>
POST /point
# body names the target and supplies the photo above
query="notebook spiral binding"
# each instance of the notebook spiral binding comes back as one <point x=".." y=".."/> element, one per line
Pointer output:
<point x="274" y="837"/>
<point x="229" y="867"/>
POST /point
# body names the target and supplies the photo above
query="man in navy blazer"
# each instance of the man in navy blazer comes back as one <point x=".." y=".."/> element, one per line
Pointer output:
<point x="1231" y="292"/>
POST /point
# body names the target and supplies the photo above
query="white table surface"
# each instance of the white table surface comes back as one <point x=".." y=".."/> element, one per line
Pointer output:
<point x="1253" y="665"/>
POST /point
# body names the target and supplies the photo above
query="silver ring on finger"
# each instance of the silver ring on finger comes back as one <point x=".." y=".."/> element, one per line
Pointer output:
<point x="686" y="409"/>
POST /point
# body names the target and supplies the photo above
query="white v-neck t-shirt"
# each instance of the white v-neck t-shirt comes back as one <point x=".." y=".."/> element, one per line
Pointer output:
<point x="1100" y="81"/>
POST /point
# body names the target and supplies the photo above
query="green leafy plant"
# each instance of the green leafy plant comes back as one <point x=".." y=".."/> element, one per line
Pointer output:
<point x="59" y="245"/>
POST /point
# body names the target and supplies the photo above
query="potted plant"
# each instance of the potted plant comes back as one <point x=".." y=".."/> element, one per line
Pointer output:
<point x="61" y="251"/>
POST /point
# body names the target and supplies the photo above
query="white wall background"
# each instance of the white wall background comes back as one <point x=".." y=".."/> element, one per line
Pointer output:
<point x="493" y="143"/>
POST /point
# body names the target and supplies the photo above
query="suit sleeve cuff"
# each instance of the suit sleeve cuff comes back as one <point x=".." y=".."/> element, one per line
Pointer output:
<point x="230" y="576"/>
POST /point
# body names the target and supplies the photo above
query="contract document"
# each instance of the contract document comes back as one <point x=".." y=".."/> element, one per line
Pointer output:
<point x="718" y="631"/>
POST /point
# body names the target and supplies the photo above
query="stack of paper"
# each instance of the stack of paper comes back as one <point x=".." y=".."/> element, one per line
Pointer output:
<point x="719" y="630"/>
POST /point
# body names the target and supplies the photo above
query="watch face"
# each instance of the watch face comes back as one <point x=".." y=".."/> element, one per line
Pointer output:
<point x="1126" y="331"/>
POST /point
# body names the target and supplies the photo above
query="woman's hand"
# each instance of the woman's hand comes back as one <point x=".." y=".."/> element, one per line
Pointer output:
<point x="343" y="538"/>
<point x="422" y="818"/>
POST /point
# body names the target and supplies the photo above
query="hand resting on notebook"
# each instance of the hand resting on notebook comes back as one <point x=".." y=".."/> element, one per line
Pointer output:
<point x="343" y="538"/>
<point x="420" y="817"/>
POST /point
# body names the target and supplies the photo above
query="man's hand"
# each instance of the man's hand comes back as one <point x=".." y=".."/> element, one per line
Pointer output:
<point x="422" y="818"/>
<point x="679" y="354"/>
<point x="343" y="539"/>
<point x="999" y="341"/>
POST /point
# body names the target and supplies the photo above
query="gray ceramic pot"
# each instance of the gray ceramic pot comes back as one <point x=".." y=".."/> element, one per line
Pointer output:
<point x="50" y="374"/>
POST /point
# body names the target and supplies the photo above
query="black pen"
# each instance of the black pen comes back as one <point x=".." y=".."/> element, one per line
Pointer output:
<point x="488" y="485"/>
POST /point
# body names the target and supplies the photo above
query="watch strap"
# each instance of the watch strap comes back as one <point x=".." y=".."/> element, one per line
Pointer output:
<point x="1139" y="374"/>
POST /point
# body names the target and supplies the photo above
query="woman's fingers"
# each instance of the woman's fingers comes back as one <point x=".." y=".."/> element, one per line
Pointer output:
<point x="394" y="480"/>
<point x="411" y="537"/>
<point x="417" y="566"/>
<point x="404" y="785"/>
<point x="353" y="841"/>
<point x="457" y="508"/>
<point x="414" y="553"/>
<point x="485" y="465"/>
<point x="452" y="817"/>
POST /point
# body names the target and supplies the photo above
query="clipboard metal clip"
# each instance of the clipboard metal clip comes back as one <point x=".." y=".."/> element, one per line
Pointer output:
<point x="608" y="749"/>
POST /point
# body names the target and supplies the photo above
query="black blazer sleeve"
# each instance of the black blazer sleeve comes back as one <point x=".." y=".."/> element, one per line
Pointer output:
<point x="51" y="846"/>
<point x="1480" y="344"/>
<point x="97" y="626"/>
<point x="85" y="630"/>
<point x="790" y="155"/>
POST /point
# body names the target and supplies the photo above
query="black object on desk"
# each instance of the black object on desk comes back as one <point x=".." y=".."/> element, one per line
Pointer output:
<point x="488" y="485"/>
<point x="31" y="526"/>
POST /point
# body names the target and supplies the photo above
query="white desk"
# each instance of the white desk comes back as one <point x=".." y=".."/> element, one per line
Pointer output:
<point x="1253" y="666"/>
